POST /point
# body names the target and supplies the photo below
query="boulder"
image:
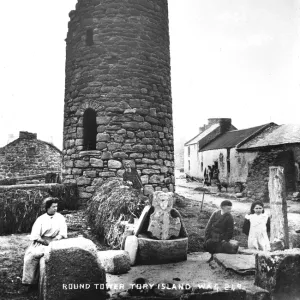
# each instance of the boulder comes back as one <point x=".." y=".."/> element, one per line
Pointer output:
<point x="279" y="271"/>
<point x="115" y="261"/>
<point x="71" y="269"/>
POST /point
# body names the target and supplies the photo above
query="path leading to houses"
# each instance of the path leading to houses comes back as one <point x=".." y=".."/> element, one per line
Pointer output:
<point x="240" y="207"/>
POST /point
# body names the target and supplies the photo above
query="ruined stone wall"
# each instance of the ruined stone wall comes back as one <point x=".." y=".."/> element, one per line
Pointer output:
<point x="258" y="177"/>
<point x="118" y="66"/>
<point x="240" y="163"/>
<point x="27" y="156"/>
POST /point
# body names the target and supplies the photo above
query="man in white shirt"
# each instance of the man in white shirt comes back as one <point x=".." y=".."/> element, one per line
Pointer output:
<point x="48" y="227"/>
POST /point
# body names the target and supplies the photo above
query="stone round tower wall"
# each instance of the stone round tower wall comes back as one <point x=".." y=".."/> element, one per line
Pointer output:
<point x="118" y="66"/>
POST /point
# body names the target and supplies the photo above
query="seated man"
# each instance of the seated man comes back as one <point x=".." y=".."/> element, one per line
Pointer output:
<point x="219" y="231"/>
<point x="132" y="177"/>
<point x="48" y="227"/>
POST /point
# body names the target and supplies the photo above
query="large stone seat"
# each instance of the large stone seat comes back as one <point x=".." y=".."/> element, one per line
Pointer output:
<point x="161" y="251"/>
<point x="71" y="269"/>
<point x="279" y="272"/>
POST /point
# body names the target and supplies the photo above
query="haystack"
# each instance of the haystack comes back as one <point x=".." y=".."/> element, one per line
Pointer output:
<point x="112" y="205"/>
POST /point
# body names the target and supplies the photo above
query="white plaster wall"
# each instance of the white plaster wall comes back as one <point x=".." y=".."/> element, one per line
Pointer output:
<point x="240" y="163"/>
<point x="195" y="164"/>
<point x="210" y="156"/>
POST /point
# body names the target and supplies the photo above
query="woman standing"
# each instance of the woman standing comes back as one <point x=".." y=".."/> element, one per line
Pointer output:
<point x="48" y="227"/>
<point x="256" y="226"/>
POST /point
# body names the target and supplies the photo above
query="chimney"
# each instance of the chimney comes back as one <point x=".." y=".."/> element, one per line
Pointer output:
<point x="225" y="123"/>
<point x="202" y="128"/>
<point x="27" y="135"/>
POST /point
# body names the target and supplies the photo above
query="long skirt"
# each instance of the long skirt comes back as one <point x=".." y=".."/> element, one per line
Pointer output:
<point x="32" y="258"/>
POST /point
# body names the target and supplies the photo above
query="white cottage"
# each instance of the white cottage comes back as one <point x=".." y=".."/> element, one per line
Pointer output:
<point x="193" y="159"/>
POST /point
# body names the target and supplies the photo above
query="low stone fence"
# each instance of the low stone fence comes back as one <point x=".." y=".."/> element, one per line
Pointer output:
<point x="20" y="205"/>
<point x="50" y="177"/>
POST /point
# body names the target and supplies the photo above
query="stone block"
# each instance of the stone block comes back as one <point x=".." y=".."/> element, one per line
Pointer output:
<point x="115" y="261"/>
<point x="98" y="163"/>
<point x="150" y="171"/>
<point x="131" y="125"/>
<point x="78" y="142"/>
<point x="90" y="174"/>
<point x="103" y="120"/>
<point x="279" y="272"/>
<point x="107" y="174"/>
<point x="148" y="161"/>
<point x="114" y="164"/>
<point x="71" y="261"/>
<point x="83" y="181"/>
<point x="69" y="164"/>
<point x="106" y="155"/>
<point x="113" y="146"/>
<point x="148" y="190"/>
<point x="101" y="145"/>
<point x="81" y="163"/>
<point x="103" y="137"/>
<point x="120" y="155"/>
<point x="97" y="182"/>
<point x="156" y="179"/>
<point x="145" y="179"/>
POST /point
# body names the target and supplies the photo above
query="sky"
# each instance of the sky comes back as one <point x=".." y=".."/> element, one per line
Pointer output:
<point x="237" y="59"/>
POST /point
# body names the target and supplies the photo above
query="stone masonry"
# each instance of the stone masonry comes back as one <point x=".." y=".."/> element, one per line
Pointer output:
<point x="28" y="156"/>
<point x="118" y="102"/>
<point x="258" y="177"/>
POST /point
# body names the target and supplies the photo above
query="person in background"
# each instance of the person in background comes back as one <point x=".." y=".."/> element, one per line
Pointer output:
<point x="257" y="226"/>
<point x="219" y="231"/>
<point x="132" y="177"/>
<point x="51" y="226"/>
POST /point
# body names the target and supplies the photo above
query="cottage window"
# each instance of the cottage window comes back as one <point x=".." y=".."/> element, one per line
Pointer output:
<point x="189" y="151"/>
<point x="189" y="165"/>
<point x="201" y="166"/>
<point x="89" y="129"/>
<point x="89" y="39"/>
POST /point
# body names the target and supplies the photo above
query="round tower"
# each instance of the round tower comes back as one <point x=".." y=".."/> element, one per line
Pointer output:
<point x="118" y="104"/>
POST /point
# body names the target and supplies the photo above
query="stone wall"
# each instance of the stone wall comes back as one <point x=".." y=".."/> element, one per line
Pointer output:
<point x="258" y="177"/>
<point x="118" y="73"/>
<point x="240" y="163"/>
<point x="27" y="156"/>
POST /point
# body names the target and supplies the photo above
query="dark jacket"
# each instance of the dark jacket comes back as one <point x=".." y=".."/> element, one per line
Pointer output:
<point x="221" y="224"/>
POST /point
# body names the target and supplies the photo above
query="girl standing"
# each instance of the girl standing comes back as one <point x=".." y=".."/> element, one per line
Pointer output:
<point x="256" y="226"/>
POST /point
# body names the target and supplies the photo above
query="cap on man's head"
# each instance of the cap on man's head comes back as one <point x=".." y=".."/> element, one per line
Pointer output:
<point x="226" y="203"/>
